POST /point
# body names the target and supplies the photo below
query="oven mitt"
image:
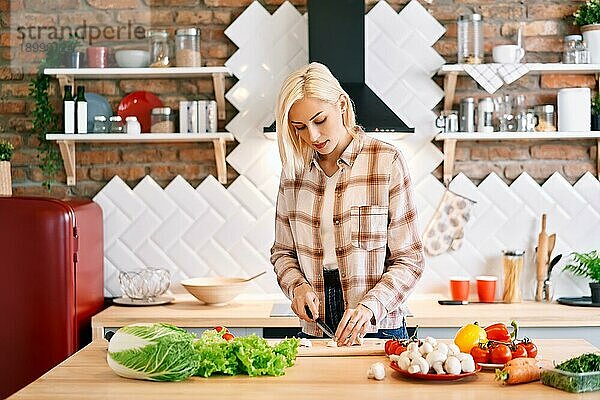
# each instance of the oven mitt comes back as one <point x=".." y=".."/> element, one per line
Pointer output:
<point x="446" y="228"/>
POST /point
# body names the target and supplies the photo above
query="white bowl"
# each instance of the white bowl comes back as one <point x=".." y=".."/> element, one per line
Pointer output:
<point x="214" y="290"/>
<point x="132" y="58"/>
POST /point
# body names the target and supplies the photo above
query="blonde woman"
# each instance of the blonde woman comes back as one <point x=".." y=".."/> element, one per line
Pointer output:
<point x="346" y="240"/>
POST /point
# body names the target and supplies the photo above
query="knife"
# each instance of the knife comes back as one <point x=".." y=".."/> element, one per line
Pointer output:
<point x="322" y="325"/>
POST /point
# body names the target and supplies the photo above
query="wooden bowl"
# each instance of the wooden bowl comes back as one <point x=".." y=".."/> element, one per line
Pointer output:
<point x="212" y="290"/>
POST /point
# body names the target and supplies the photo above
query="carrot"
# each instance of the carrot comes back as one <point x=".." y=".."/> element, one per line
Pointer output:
<point x="518" y="374"/>
<point x="521" y="361"/>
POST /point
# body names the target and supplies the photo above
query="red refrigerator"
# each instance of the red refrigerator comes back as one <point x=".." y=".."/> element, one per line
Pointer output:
<point x="51" y="283"/>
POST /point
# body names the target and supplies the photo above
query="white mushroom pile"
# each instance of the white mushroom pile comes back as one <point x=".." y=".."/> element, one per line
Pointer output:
<point x="434" y="357"/>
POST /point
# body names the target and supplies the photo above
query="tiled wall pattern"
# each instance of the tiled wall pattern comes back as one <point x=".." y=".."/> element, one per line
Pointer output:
<point x="211" y="230"/>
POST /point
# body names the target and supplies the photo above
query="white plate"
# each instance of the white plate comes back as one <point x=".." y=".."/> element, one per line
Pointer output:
<point x="126" y="301"/>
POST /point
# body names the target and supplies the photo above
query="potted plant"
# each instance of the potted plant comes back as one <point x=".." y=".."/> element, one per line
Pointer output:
<point x="596" y="112"/>
<point x="6" y="153"/>
<point x="588" y="18"/>
<point x="587" y="265"/>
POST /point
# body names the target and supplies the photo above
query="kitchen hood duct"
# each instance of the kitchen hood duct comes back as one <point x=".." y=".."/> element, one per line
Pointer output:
<point x="336" y="38"/>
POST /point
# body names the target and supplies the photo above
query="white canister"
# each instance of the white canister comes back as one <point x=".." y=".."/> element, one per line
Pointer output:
<point x="133" y="126"/>
<point x="574" y="112"/>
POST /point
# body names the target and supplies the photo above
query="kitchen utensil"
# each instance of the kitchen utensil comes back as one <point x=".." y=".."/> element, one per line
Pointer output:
<point x="319" y="348"/>
<point x="464" y="302"/>
<point x="433" y="377"/>
<point x="554" y="261"/>
<point x="254" y="276"/>
<point x="551" y="243"/>
<point x="541" y="260"/>
<point x="214" y="290"/>
<point x="585" y="301"/>
<point x="548" y="291"/>
<point x="97" y="105"/>
<point x="320" y="323"/>
<point x="139" y="104"/>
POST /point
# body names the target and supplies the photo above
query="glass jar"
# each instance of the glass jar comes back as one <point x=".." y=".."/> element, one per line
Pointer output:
<point x="570" y="48"/>
<point x="116" y="124"/>
<point x="513" y="266"/>
<point x="187" y="47"/>
<point x="545" y="118"/>
<point x="470" y="39"/>
<point x="160" y="48"/>
<point x="163" y="120"/>
<point x="99" y="124"/>
<point x="485" y="115"/>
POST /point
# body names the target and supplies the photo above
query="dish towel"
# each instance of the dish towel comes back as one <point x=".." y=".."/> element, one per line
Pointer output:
<point x="446" y="229"/>
<point x="492" y="76"/>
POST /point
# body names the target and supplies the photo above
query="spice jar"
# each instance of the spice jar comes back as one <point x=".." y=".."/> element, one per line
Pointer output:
<point x="116" y="124"/>
<point x="187" y="47"/>
<point x="513" y="266"/>
<point x="163" y="120"/>
<point x="99" y="124"/>
<point x="486" y="113"/>
<point x="160" y="48"/>
<point x="470" y="39"/>
<point x="545" y="118"/>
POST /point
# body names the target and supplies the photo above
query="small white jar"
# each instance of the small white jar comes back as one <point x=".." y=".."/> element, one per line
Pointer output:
<point x="133" y="127"/>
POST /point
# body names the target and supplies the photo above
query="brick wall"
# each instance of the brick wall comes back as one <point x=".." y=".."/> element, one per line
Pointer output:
<point x="546" y="22"/>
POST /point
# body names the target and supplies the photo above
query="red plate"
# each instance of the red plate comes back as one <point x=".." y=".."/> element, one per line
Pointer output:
<point x="139" y="104"/>
<point x="433" y="377"/>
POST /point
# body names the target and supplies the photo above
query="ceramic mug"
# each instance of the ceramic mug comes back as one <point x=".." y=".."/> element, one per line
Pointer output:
<point x="459" y="288"/>
<point x="507" y="54"/>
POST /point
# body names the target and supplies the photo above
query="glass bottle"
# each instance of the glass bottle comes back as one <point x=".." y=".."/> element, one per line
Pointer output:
<point x="68" y="110"/>
<point x="187" y="47"/>
<point x="470" y="39"/>
<point x="160" y="48"/>
<point x="82" y="110"/>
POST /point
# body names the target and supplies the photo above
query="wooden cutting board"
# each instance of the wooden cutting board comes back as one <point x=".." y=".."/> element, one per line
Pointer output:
<point x="370" y="347"/>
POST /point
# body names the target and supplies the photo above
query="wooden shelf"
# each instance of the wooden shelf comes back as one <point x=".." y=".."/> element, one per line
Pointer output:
<point x="66" y="143"/>
<point x="383" y="136"/>
<point x="450" y="140"/>
<point x="536" y="68"/>
<point x="67" y="76"/>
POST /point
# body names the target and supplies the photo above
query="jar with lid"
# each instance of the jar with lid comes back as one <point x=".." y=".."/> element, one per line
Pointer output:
<point x="99" y="124"/>
<point x="160" y="48"/>
<point x="513" y="266"/>
<point x="570" y="48"/>
<point x="545" y="117"/>
<point x="470" y="39"/>
<point x="485" y="115"/>
<point x="187" y="47"/>
<point x="132" y="126"/>
<point x="116" y="124"/>
<point x="163" y="120"/>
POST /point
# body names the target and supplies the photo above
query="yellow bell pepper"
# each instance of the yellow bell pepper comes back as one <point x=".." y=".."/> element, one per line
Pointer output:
<point x="470" y="336"/>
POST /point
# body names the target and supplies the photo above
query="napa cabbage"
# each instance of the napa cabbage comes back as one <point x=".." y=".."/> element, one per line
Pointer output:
<point x="155" y="352"/>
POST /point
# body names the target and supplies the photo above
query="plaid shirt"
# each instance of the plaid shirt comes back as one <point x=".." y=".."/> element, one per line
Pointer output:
<point x="379" y="251"/>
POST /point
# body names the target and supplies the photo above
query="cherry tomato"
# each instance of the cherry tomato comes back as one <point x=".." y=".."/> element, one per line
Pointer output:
<point x="220" y="328"/>
<point x="519" y="351"/>
<point x="500" y="354"/>
<point x="400" y="349"/>
<point x="390" y="346"/>
<point x="531" y="349"/>
<point x="480" y="355"/>
<point x="228" y="336"/>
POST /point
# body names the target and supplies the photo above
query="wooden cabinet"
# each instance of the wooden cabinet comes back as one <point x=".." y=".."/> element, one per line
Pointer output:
<point x="67" y="143"/>
<point x="451" y="73"/>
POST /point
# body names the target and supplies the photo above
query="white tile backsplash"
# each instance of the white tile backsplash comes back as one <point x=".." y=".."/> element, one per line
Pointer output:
<point x="213" y="230"/>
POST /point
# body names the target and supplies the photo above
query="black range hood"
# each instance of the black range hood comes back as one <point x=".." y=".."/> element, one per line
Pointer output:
<point x="336" y="38"/>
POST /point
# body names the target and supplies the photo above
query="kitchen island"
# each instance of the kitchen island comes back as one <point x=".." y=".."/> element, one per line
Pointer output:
<point x="86" y="375"/>
<point x="536" y="320"/>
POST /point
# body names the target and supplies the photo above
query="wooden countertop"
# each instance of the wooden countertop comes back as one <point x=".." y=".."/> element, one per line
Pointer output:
<point x="186" y="311"/>
<point x="86" y="375"/>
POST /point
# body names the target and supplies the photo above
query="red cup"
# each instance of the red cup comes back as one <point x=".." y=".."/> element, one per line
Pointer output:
<point x="97" y="57"/>
<point x="459" y="288"/>
<point x="486" y="288"/>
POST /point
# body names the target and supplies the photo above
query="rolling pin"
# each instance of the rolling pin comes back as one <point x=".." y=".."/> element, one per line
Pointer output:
<point x="541" y="259"/>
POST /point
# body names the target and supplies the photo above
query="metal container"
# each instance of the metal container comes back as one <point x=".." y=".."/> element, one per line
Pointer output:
<point x="467" y="115"/>
<point x="485" y="117"/>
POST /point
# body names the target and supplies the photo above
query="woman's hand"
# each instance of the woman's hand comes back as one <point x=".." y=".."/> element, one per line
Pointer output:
<point x="355" y="322"/>
<point x="305" y="295"/>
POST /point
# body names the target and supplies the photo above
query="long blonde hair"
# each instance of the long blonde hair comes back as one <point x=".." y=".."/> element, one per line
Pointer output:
<point x="311" y="81"/>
